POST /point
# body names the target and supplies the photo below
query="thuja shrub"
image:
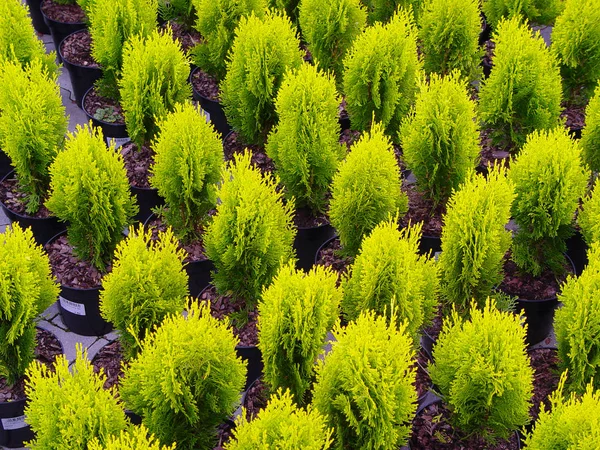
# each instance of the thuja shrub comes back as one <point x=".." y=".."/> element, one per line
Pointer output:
<point x="217" y="21"/>
<point x="263" y="50"/>
<point x="482" y="370"/>
<point x="69" y="408"/>
<point x="136" y="438"/>
<point x="181" y="11"/>
<point x="474" y="239"/>
<point x="590" y="136"/>
<point x="154" y="79"/>
<point x="290" y="7"/>
<point x="536" y="11"/>
<point x="186" y="380"/>
<point x="589" y="215"/>
<point x="294" y="315"/>
<point x="365" y="385"/>
<point x="383" y="10"/>
<point x="32" y="126"/>
<point x="147" y="283"/>
<point x="366" y="189"/>
<point x="549" y="180"/>
<point x="389" y="275"/>
<point x="440" y="138"/>
<point x="381" y="71"/>
<point x="524" y="90"/>
<point x="28" y="288"/>
<point x="90" y="191"/>
<point x="281" y="424"/>
<point x="252" y="232"/>
<point x="187" y="167"/>
<point x="457" y="24"/>
<point x="112" y="23"/>
<point x="330" y="28"/>
<point x="304" y="144"/>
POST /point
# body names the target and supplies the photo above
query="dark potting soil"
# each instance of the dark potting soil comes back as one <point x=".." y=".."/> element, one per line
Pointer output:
<point x="573" y="114"/>
<point x="77" y="49"/>
<point x="187" y="37"/>
<point x="194" y="250"/>
<point x="256" y="399"/>
<point x="103" y="108"/>
<point x="342" y="111"/>
<point x="305" y="218"/>
<point x="329" y="257"/>
<point x="137" y="164"/>
<point x="63" y="13"/>
<point x="349" y="137"/>
<point x="222" y="306"/>
<point x="232" y="144"/>
<point x="224" y="433"/>
<point x="110" y="358"/>
<point x="307" y="54"/>
<point x="47" y="349"/>
<point x="544" y="362"/>
<point x="491" y="153"/>
<point x="14" y="199"/>
<point x="528" y="287"/>
<point x="434" y="329"/>
<point x="422" y="210"/>
<point x="422" y="380"/>
<point x="206" y="85"/>
<point x="488" y="57"/>
<point x="68" y="269"/>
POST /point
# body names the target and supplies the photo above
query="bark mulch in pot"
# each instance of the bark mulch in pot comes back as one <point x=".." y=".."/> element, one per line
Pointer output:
<point x="63" y="13"/>
<point x="187" y="37"/>
<point x="233" y="144"/>
<point x="573" y="114"/>
<point x="194" y="250"/>
<point x="305" y="218"/>
<point x="206" y="85"/>
<point x="110" y="358"/>
<point x="420" y="209"/>
<point x="103" y="108"/>
<point x="544" y="362"/>
<point x="329" y="256"/>
<point x="256" y="399"/>
<point x="77" y="49"/>
<point x="525" y="286"/>
<point x="349" y="137"/>
<point x="492" y="153"/>
<point x="14" y="199"/>
<point x="137" y="164"/>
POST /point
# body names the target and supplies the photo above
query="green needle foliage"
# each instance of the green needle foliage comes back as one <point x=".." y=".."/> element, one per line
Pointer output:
<point x="589" y="216"/>
<point x="32" y="126"/>
<point x="28" y="288"/>
<point x="571" y="422"/>
<point x="154" y="80"/>
<point x="590" y="136"/>
<point x="330" y="28"/>
<point x="366" y="189"/>
<point x="549" y="180"/>
<point x="186" y="380"/>
<point x="365" y="385"/>
<point x="136" y="438"/>
<point x="69" y="408"/>
<point x="290" y="7"/>
<point x="90" y="191"/>
<point x="577" y="325"/>
<point x="263" y="50"/>
<point x="251" y="234"/>
<point x="112" y="23"/>
<point x="474" y="239"/>
<point x="281" y="425"/>
<point x="181" y="11"/>
<point x="187" y="167"/>
<point x="483" y="372"/>
<point x="536" y="11"/>
<point x="147" y="283"/>
<point x="524" y="90"/>
<point x="304" y="144"/>
<point x="217" y="22"/>
<point x="381" y="72"/>
<point x="441" y="138"/>
<point x="383" y="10"/>
<point x="295" y="314"/>
<point x="456" y="24"/>
<point x="389" y="275"/>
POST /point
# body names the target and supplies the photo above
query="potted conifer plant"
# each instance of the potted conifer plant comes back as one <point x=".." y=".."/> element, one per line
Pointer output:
<point x="63" y="17"/>
<point x="136" y="438"/>
<point x="543" y="12"/>
<point x="383" y="10"/>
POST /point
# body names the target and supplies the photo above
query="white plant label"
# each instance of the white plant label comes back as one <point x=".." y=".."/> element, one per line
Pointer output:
<point x="14" y="423"/>
<point x="72" y="307"/>
<point x="119" y="142"/>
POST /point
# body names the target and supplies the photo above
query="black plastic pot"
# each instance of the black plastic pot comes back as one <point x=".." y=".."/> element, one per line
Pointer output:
<point x="344" y="123"/>
<point x="213" y="108"/>
<point x="60" y="30"/>
<point x="111" y="131"/>
<point x="486" y="32"/>
<point x="147" y="199"/>
<point x="5" y="165"/>
<point x="577" y="251"/>
<point x="253" y="357"/>
<point x="323" y="246"/>
<point x="431" y="245"/>
<point x="42" y="229"/>
<point x="82" y="77"/>
<point x="133" y="417"/>
<point x="487" y="68"/>
<point x="308" y="241"/>
<point x="36" y="16"/>
<point x="575" y="132"/>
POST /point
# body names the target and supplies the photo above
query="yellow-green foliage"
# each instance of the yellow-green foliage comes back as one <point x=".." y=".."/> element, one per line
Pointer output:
<point x="187" y="167"/>
<point x="440" y="138"/>
<point x="536" y="11"/>
<point x="329" y="28"/>
<point x="181" y="11"/>
<point x="366" y="189"/>
<point x="263" y="50"/>
<point x="217" y="22"/>
<point x="549" y="180"/>
<point x="449" y="33"/>
<point x="18" y="41"/>
<point x="290" y="7"/>
<point x="524" y="90"/>
<point x="577" y="325"/>
<point x="281" y="424"/>
<point x="388" y="275"/>
<point x="147" y="283"/>
<point x="136" y="438"/>
<point x="154" y="80"/>
<point x="295" y="314"/>
<point x="112" y="23"/>
<point x="381" y="71"/>
<point x="304" y="145"/>
<point x="383" y="10"/>
<point x="69" y="408"/>
<point x="365" y="386"/>
<point x="186" y="380"/>
<point x="571" y="422"/>
<point x="590" y="136"/>
<point x="483" y="372"/>
<point x="32" y="126"/>
<point x="90" y="191"/>
<point x="251" y="234"/>
<point x="28" y="288"/>
<point x="474" y="239"/>
<point x="589" y="216"/>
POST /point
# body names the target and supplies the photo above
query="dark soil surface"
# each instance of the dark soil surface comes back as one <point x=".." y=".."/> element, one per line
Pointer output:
<point x="224" y="433"/>
<point x="222" y="306"/>
<point x="194" y="250"/>
<point x="232" y="144"/>
<point x="546" y="375"/>
<point x="188" y="38"/>
<point x="95" y="104"/>
<point x="109" y="358"/>
<point x="342" y="112"/>
<point x="574" y="114"/>
<point x="68" y="269"/>
<point x="77" y="49"/>
<point x="206" y="85"/>
<point x="47" y="349"/>
<point x="527" y="287"/>
<point x="305" y="218"/>
<point x="422" y="210"/>
<point x="329" y="257"/>
<point x="349" y="137"/>
<point x="492" y="154"/>
<point x="63" y="13"/>
<point x="137" y="164"/>
<point x="14" y="199"/>
<point x="434" y="329"/>
<point x="488" y="57"/>
<point x="256" y="399"/>
<point x="422" y="381"/>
